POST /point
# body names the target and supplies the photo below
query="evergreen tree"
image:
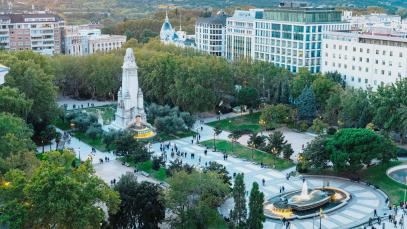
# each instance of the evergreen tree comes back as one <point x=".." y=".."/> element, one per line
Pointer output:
<point x="256" y="215"/>
<point x="239" y="212"/>
<point x="306" y="105"/>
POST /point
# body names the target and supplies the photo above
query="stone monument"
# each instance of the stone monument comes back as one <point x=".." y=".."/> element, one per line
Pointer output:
<point x="130" y="103"/>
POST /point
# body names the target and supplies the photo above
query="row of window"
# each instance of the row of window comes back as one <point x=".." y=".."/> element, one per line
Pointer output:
<point x="367" y="60"/>
<point x="360" y="69"/>
<point x="367" y="50"/>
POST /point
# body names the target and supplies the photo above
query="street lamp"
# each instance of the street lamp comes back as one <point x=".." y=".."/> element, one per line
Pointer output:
<point x="79" y="151"/>
<point x="262" y="124"/>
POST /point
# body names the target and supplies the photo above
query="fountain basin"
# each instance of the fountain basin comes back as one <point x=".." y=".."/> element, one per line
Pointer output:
<point x="316" y="199"/>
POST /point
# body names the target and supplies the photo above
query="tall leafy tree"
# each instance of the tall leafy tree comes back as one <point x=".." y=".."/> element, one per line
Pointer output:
<point x="390" y="103"/>
<point x="14" y="102"/>
<point x="57" y="195"/>
<point x="276" y="142"/>
<point x="238" y="214"/>
<point x="219" y="169"/>
<point x="249" y="97"/>
<point x="142" y="205"/>
<point x="256" y="213"/>
<point x="193" y="198"/>
<point x="31" y="73"/>
<point x="316" y="153"/>
<point x="356" y="109"/>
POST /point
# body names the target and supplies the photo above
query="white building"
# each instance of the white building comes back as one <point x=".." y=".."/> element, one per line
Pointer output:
<point x="76" y="39"/>
<point x="105" y="43"/>
<point x="369" y="21"/>
<point x="365" y="60"/>
<point x="288" y="36"/>
<point x="3" y="72"/>
<point x="210" y="34"/>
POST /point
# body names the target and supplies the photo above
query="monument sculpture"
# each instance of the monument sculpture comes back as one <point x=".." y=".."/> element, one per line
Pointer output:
<point x="130" y="112"/>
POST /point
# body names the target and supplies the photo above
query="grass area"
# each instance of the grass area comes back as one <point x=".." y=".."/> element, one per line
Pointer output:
<point x="96" y="143"/>
<point x="44" y="157"/>
<point x="378" y="177"/>
<point x="250" y="154"/>
<point x="160" y="137"/>
<point x="106" y="111"/>
<point x="148" y="168"/>
<point x="245" y="122"/>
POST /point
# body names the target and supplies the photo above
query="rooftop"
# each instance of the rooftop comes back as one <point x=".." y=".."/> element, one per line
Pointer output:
<point x="30" y="17"/>
<point x="364" y="35"/>
<point x="217" y="19"/>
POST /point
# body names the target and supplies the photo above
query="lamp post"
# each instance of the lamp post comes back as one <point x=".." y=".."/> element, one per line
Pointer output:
<point x="79" y="151"/>
<point x="262" y="124"/>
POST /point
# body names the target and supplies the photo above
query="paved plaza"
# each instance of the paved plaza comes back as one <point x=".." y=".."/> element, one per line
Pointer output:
<point x="359" y="209"/>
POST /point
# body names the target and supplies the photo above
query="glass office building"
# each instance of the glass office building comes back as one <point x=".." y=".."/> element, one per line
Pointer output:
<point x="289" y="37"/>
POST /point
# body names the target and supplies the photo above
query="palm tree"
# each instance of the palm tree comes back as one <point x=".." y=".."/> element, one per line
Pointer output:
<point x="234" y="136"/>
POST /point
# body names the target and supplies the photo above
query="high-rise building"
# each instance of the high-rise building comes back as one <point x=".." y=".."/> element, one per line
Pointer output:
<point x="40" y="32"/>
<point x="210" y="34"/>
<point x="365" y="60"/>
<point x="288" y="36"/>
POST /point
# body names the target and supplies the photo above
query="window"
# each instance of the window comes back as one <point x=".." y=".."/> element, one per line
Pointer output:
<point x="359" y="80"/>
<point x="400" y="54"/>
<point x="366" y="81"/>
<point x="391" y="53"/>
<point x="377" y="51"/>
<point x="367" y="60"/>
<point x="354" y="49"/>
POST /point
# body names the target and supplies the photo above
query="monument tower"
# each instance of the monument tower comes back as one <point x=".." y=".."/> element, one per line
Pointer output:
<point x="130" y="102"/>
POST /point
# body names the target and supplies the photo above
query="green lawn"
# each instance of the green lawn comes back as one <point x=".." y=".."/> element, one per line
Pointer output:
<point x="245" y="122"/>
<point x="61" y="124"/>
<point x="106" y="111"/>
<point x="250" y="154"/>
<point x="377" y="176"/>
<point x="96" y="143"/>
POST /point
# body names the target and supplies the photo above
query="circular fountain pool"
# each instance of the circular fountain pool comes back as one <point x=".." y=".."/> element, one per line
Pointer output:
<point x="398" y="173"/>
<point x="305" y="203"/>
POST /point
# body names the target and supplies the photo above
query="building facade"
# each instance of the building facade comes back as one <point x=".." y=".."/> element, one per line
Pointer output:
<point x="365" y="60"/>
<point x="287" y="36"/>
<point x="105" y="43"/>
<point x="86" y="39"/>
<point x="210" y="34"/>
<point x="40" y="32"/>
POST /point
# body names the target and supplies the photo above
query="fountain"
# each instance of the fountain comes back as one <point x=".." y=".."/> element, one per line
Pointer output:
<point x="305" y="202"/>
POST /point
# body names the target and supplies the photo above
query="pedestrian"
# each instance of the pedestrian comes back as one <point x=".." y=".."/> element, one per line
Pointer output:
<point x="375" y="213"/>
<point x="201" y="128"/>
<point x="390" y="218"/>
<point x="192" y="141"/>
<point x="263" y="181"/>
<point x="395" y="223"/>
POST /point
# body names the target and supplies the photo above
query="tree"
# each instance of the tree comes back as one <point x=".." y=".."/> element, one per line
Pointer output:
<point x="146" y="35"/>
<point x="301" y="81"/>
<point x="193" y="198"/>
<point x="142" y="204"/>
<point x="249" y="97"/>
<point x="57" y="194"/>
<point x="31" y="74"/>
<point x="109" y="137"/>
<point x="94" y="131"/>
<point x="239" y="212"/>
<point x="15" y="136"/>
<point x="256" y="214"/>
<point x="390" y="103"/>
<point x="234" y="136"/>
<point x="177" y="166"/>
<point x="131" y="148"/>
<point x="356" y="109"/>
<point x="277" y="114"/>
<point x="287" y="151"/>
<point x="332" y="109"/>
<point x="14" y="102"/>
<point x="323" y="87"/>
<point x="352" y="148"/>
<point x="257" y="141"/>
<point x="276" y="142"/>
<point x="318" y="125"/>
<point x="316" y="154"/>
<point x="306" y="105"/>
<point x="219" y="169"/>
<point x="158" y="162"/>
